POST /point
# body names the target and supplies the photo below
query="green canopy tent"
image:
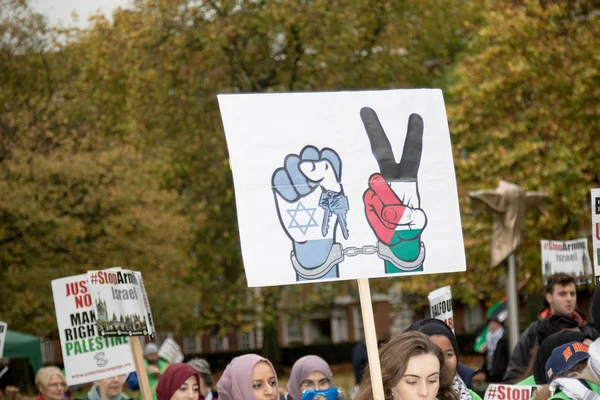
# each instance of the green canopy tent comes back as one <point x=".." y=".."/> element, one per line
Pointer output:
<point x="25" y="355"/>
<point x="21" y="345"/>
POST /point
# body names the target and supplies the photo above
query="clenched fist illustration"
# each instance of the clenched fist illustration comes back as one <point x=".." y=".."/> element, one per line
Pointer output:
<point x="312" y="207"/>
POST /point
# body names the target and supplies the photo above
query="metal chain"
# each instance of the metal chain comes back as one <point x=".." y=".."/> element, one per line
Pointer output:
<point x="354" y="251"/>
<point x="386" y="254"/>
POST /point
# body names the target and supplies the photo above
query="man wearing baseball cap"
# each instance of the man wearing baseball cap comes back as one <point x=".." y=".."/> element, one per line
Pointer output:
<point x="565" y="373"/>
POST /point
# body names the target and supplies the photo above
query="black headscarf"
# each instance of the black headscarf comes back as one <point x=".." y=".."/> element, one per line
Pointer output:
<point x="431" y="326"/>
<point x="545" y="350"/>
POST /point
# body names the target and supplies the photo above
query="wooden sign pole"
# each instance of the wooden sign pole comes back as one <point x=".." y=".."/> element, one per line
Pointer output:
<point x="140" y="367"/>
<point x="364" y="292"/>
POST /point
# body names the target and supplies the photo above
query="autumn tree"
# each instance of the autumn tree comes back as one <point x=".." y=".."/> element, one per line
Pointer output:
<point x="73" y="197"/>
<point x="135" y="97"/>
<point x="525" y="108"/>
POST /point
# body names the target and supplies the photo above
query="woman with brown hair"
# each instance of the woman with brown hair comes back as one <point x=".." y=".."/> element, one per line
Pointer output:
<point x="442" y="336"/>
<point x="412" y="367"/>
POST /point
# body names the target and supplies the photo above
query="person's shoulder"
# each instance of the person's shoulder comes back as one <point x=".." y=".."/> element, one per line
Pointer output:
<point x="474" y="396"/>
<point x="529" y="381"/>
<point x="534" y="324"/>
<point x="466" y="374"/>
<point x="530" y="332"/>
<point x="466" y="369"/>
<point x="595" y="387"/>
<point x="590" y="330"/>
<point x="560" y="395"/>
<point x="503" y="343"/>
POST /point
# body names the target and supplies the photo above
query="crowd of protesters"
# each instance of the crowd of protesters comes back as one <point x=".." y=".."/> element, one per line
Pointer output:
<point x="558" y="353"/>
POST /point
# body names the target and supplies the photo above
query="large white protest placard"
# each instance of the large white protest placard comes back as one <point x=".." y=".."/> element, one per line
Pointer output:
<point x="596" y="232"/>
<point x="440" y="305"/>
<point x="571" y="257"/>
<point x="170" y="351"/>
<point x="499" y="391"/>
<point x="343" y="185"/>
<point x="3" y="329"/>
<point x="121" y="304"/>
<point x="86" y="355"/>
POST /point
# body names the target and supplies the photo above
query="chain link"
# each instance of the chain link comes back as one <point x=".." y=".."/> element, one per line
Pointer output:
<point x="386" y="254"/>
<point x="354" y="251"/>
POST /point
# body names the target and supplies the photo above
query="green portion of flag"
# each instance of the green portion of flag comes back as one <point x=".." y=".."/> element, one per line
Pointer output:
<point x="480" y="340"/>
<point x="406" y="245"/>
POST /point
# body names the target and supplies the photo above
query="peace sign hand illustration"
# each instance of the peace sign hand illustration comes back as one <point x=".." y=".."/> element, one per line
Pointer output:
<point x="392" y="202"/>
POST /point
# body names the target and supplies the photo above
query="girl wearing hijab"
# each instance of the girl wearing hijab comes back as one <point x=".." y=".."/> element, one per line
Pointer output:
<point x="248" y="377"/>
<point x="311" y="373"/>
<point x="412" y="367"/>
<point x="178" y="382"/>
<point x="442" y="336"/>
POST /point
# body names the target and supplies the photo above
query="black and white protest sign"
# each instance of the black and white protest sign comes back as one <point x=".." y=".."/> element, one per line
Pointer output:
<point x="120" y="302"/>
<point x="571" y="257"/>
<point x="440" y="305"/>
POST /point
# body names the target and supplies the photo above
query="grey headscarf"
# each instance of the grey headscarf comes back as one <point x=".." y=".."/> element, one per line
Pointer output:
<point x="301" y="369"/>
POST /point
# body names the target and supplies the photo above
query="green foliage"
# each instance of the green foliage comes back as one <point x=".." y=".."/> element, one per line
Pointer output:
<point x="524" y="108"/>
<point x="112" y="150"/>
<point x="161" y="65"/>
<point x="72" y="197"/>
